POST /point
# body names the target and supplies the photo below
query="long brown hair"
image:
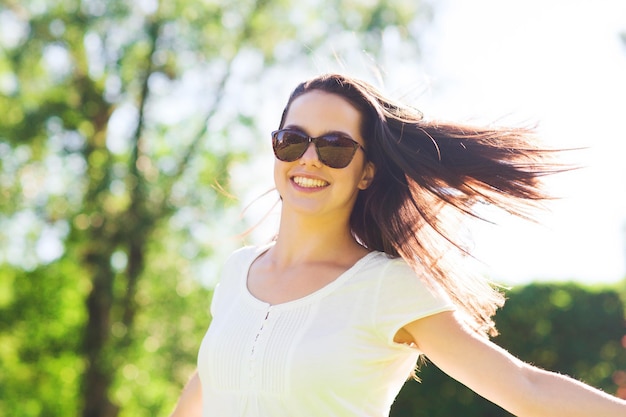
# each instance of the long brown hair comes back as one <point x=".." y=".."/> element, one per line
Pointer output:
<point x="424" y="167"/>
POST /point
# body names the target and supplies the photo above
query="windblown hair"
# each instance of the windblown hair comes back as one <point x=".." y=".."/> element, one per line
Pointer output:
<point x="422" y="169"/>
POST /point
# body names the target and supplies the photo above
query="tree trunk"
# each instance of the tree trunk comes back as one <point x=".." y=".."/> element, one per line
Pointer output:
<point x="98" y="374"/>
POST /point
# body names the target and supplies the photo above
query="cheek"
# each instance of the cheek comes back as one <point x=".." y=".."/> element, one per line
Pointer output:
<point x="349" y="183"/>
<point x="279" y="175"/>
<point x="276" y="171"/>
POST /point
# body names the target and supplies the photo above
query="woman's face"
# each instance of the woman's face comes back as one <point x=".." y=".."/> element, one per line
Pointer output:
<point x="308" y="186"/>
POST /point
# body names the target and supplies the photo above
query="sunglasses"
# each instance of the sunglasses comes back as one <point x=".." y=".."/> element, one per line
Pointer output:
<point x="335" y="150"/>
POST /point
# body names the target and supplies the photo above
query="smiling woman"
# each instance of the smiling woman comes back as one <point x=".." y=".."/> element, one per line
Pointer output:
<point x="330" y="318"/>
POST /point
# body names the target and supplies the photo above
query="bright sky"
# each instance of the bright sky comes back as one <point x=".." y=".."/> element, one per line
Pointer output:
<point x="559" y="63"/>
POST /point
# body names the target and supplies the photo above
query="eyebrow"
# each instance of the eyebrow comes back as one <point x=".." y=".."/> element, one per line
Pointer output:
<point x="330" y="132"/>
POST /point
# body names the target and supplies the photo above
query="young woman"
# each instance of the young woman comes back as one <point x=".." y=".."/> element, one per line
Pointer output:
<point x="330" y="318"/>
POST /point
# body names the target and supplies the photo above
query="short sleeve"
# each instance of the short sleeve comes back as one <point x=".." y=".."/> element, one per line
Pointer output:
<point x="404" y="297"/>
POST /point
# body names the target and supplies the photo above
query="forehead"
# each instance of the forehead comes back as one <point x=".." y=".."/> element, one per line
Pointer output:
<point x="318" y="112"/>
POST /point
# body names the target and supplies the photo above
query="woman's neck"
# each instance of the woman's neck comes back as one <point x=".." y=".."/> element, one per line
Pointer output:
<point x="309" y="239"/>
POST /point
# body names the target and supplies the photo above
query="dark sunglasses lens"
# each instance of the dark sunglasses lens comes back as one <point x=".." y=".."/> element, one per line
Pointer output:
<point x="289" y="146"/>
<point x="336" y="151"/>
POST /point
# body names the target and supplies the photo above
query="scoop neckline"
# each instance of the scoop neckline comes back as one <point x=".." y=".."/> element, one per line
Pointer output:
<point x="326" y="289"/>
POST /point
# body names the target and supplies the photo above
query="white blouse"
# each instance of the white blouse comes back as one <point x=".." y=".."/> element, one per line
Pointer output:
<point x="330" y="353"/>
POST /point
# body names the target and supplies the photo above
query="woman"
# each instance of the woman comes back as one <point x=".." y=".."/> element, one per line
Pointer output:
<point x="330" y="318"/>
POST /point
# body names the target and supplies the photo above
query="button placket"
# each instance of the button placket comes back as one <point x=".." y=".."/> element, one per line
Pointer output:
<point x="257" y="345"/>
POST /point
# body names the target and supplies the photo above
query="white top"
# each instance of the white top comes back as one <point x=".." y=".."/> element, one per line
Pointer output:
<point x="330" y="353"/>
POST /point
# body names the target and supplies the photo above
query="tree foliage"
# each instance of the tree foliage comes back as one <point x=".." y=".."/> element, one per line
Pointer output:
<point x="121" y="125"/>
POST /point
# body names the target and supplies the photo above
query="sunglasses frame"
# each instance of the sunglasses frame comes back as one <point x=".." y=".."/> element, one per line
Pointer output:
<point x="355" y="145"/>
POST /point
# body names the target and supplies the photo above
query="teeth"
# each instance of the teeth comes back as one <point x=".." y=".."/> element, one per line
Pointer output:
<point x="309" y="182"/>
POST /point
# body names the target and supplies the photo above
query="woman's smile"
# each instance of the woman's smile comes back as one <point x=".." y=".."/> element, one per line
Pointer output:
<point x="307" y="182"/>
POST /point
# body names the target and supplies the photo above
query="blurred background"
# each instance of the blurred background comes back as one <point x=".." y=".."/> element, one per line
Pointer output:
<point x="134" y="152"/>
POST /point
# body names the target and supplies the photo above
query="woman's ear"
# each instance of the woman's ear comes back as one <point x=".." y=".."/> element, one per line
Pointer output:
<point x="368" y="175"/>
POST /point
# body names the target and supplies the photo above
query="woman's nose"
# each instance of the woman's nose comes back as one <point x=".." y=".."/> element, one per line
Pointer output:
<point x="310" y="155"/>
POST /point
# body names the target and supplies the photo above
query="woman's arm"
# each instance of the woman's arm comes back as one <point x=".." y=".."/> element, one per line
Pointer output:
<point x="495" y="374"/>
<point x="190" y="401"/>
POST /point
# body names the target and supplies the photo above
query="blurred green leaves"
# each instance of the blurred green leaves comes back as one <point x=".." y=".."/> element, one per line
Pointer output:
<point x="40" y="335"/>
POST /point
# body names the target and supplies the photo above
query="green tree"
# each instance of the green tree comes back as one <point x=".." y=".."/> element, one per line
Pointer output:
<point x="121" y="125"/>
<point x="562" y="327"/>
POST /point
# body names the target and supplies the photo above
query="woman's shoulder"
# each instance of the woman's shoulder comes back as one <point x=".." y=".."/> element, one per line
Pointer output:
<point x="248" y="252"/>
<point x="236" y="264"/>
<point x="397" y="275"/>
<point x="383" y="263"/>
<point x="377" y="268"/>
